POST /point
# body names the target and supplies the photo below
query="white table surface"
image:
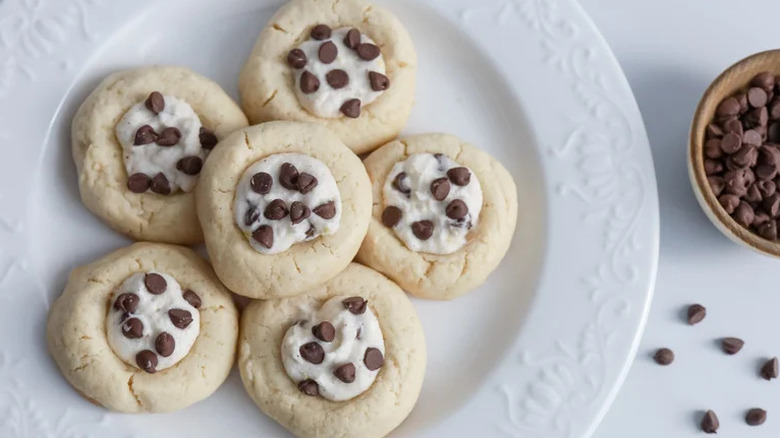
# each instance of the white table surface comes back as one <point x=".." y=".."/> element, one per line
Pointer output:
<point x="670" y="51"/>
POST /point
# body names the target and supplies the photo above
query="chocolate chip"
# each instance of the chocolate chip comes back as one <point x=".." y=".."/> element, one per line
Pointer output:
<point x="261" y="183"/>
<point x="401" y="183"/>
<point x="169" y="136"/>
<point x="147" y="361"/>
<point x="138" y="182"/>
<point x="742" y="98"/>
<point x="345" y="373"/>
<point x="144" y="135"/>
<point x="391" y="216"/>
<point x="337" y="79"/>
<point x="160" y="184"/>
<point x="457" y="209"/>
<point x="710" y="423"/>
<point x="717" y="184"/>
<point x="440" y="188"/>
<point x="744" y="214"/>
<point x="712" y="166"/>
<point x="309" y="83"/>
<point x="180" y="318"/>
<point x="764" y="80"/>
<point x="773" y="132"/>
<point x="126" y="302"/>
<point x="288" y="176"/>
<point x="327" y="52"/>
<point x="373" y="359"/>
<point x="306" y="183"/>
<point x="192" y="298"/>
<point x="324" y="331"/>
<point x="714" y="131"/>
<point x="275" y="210"/>
<point x="133" y="328"/>
<point x="759" y="218"/>
<point x="310" y="232"/>
<point x="312" y="352"/>
<point x="326" y="210"/>
<point x="757" y="116"/>
<point x="423" y="230"/>
<point x="696" y="313"/>
<point x="768" y="230"/>
<point x="164" y="344"/>
<point x="729" y="107"/>
<point x="355" y="305"/>
<point x="298" y="212"/>
<point x="352" y="39"/>
<point x="264" y="235"/>
<point x="751" y="137"/>
<point x="252" y="215"/>
<point x="155" y="102"/>
<point x="731" y="346"/>
<point x="771" y="204"/>
<point x="769" y="370"/>
<point x="731" y="143"/>
<point x="712" y="148"/>
<point x="460" y="176"/>
<point x="155" y="283"/>
<point x="367" y="51"/>
<point x="766" y="188"/>
<point x="747" y="156"/>
<point x="664" y="356"/>
<point x="309" y="387"/>
<point x="190" y="165"/>
<point x="729" y="202"/>
<point x="207" y="139"/>
<point x="320" y="32"/>
<point x="737" y="181"/>
<point x="296" y="58"/>
<point x="378" y="81"/>
<point x="756" y="97"/>
<point x="351" y="108"/>
<point x="755" y="417"/>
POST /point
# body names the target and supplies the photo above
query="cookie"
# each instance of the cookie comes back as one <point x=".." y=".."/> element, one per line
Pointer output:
<point x="139" y="142"/>
<point x="284" y="207"/>
<point x="345" y="359"/>
<point x="147" y="328"/>
<point x="346" y="64"/>
<point x="443" y="217"/>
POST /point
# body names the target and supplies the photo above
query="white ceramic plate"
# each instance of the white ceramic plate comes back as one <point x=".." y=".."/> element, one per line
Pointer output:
<point x="538" y="351"/>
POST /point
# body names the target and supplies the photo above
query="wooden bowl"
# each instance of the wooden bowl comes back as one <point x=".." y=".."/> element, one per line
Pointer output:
<point x="734" y="79"/>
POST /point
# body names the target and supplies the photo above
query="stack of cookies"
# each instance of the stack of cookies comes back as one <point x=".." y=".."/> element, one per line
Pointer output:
<point x="324" y="243"/>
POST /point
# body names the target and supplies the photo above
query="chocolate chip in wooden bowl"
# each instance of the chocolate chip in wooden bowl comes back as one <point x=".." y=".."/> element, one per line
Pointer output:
<point x="180" y="318"/>
<point x="345" y="373"/>
<point x="768" y="230"/>
<point x="401" y="183"/>
<point x="139" y="182"/>
<point x="296" y="58"/>
<point x="155" y="283"/>
<point x="769" y="370"/>
<point x="155" y="102"/>
<point x="696" y="314"/>
<point x="764" y="80"/>
<point x="147" y="361"/>
<point x="733" y="125"/>
<point x="324" y="331"/>
<point x="714" y="131"/>
<point x="288" y="176"/>
<point x="663" y="356"/>
<point x="261" y="183"/>
<point x="191" y="297"/>
<point x="378" y="81"/>
<point x="731" y="345"/>
<point x="299" y="212"/>
<point x="191" y="165"/>
<point x="717" y="184"/>
<point x="276" y="210"/>
<point x="352" y="39"/>
<point x="440" y="188"/>
<point x="312" y="352"/>
<point x="133" y="328"/>
<point x="757" y="97"/>
<point x="744" y="214"/>
<point x="729" y="202"/>
<point x="712" y="148"/>
<point x="337" y="78"/>
<point x="755" y="417"/>
<point x="391" y="216"/>
<point x="309" y="83"/>
<point x="306" y="183"/>
<point x="126" y="302"/>
<point x="207" y="139"/>
<point x="456" y="209"/>
<point x="728" y="108"/>
<point x="326" y="210"/>
<point x="751" y="137"/>
<point x="144" y="135"/>
<point x="327" y="52"/>
<point x="712" y="167"/>
<point x="264" y="235"/>
<point x="355" y="305"/>
<point x="373" y="359"/>
<point x="169" y="136"/>
<point x="423" y="229"/>
<point x="351" y="108"/>
<point x="320" y="32"/>
<point x="710" y="423"/>
<point x="731" y="143"/>
<point x="460" y="176"/>
<point x="309" y="387"/>
<point x="164" y="344"/>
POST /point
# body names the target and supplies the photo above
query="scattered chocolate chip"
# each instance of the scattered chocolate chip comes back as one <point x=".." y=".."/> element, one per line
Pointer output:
<point x="440" y="188"/>
<point x="696" y="313"/>
<point x="312" y="352"/>
<point x="309" y="387"/>
<point x="710" y="423"/>
<point x="180" y="318"/>
<point x="729" y="107"/>
<point x="401" y="183"/>
<point x="275" y="210"/>
<point x="355" y="305"/>
<point x="457" y="209"/>
<point x="345" y="373"/>
<point x="190" y="165"/>
<point x="337" y="78"/>
<point x="288" y="176"/>
<point x="327" y="52"/>
<point x="351" y="108"/>
<point x="373" y="359"/>
<point x="155" y="102"/>
<point x="352" y="39"/>
<point x="264" y="235"/>
<point x="731" y="346"/>
<point x="378" y="81"/>
<point x="460" y="176"/>
<point x="306" y="183"/>
<point x="252" y="215"/>
<point x="261" y="183"/>
<point x="207" y="139"/>
<point x="664" y="356"/>
<point x="192" y="298"/>
<point x="160" y="184"/>
<point x="126" y="302"/>
<point x="147" y="361"/>
<point x="755" y="417"/>
<point x="324" y="331"/>
<point x="391" y="216"/>
<point x="367" y="51"/>
<point x="769" y="371"/>
<point x="144" y="135"/>
<point x="309" y="83"/>
<point x="164" y="344"/>
<point x="756" y="97"/>
<point x="320" y="32"/>
<point x="326" y="210"/>
<point x="138" y="182"/>
<point x="423" y="230"/>
<point x="168" y="137"/>
<point x="155" y="283"/>
<point x="133" y="328"/>
<point x="296" y="58"/>
<point x="298" y="212"/>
